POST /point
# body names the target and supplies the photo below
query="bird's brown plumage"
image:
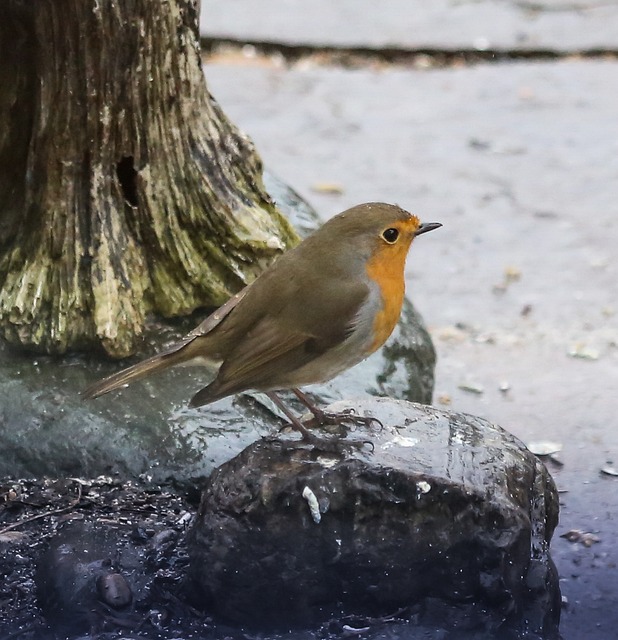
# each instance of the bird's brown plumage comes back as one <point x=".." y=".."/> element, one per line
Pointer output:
<point x="301" y="320"/>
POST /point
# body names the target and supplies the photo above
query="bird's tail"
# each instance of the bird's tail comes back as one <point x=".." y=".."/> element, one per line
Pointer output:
<point x="135" y="372"/>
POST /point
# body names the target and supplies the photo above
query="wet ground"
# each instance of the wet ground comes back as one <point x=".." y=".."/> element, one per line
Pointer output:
<point x="519" y="161"/>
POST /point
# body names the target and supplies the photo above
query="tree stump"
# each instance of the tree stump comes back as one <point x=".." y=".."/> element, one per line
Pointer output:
<point x="124" y="189"/>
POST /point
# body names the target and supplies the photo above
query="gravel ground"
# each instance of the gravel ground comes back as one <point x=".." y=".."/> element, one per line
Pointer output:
<point x="33" y="512"/>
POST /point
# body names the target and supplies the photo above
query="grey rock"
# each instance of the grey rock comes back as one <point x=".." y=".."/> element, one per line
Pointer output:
<point x="447" y="515"/>
<point x="293" y="206"/>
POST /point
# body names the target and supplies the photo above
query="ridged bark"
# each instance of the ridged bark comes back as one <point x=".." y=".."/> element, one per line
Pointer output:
<point x="124" y="189"/>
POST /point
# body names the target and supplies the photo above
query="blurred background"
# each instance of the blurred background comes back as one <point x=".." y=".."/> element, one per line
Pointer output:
<point x="497" y="119"/>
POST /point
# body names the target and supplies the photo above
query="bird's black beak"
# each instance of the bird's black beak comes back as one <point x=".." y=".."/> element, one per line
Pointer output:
<point x="427" y="226"/>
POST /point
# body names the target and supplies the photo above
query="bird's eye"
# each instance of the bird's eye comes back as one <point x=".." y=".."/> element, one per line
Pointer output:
<point x="390" y="235"/>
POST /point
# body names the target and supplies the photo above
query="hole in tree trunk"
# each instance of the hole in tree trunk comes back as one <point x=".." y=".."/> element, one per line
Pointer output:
<point x="126" y="175"/>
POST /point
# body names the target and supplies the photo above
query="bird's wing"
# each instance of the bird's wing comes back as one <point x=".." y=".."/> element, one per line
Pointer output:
<point x="216" y="317"/>
<point x="268" y="352"/>
<point x="264" y="354"/>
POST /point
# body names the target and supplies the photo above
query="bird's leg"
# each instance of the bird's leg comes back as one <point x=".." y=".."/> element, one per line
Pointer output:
<point x="294" y="421"/>
<point x="318" y="414"/>
<point x="325" y="444"/>
<point x="323" y="417"/>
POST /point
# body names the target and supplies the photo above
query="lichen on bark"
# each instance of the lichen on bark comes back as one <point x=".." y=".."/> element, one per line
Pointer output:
<point x="124" y="189"/>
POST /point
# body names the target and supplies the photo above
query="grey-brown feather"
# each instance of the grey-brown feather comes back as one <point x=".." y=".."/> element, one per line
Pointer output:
<point x="290" y="324"/>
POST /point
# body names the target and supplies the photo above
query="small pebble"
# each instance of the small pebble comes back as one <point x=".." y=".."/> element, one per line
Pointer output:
<point x="544" y="447"/>
<point x="114" y="590"/>
<point x="314" y="506"/>
<point x="609" y="471"/>
<point x="471" y="388"/>
<point x="583" y="352"/>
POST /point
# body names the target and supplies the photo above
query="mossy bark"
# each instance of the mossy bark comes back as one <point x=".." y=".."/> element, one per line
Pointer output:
<point x="124" y="189"/>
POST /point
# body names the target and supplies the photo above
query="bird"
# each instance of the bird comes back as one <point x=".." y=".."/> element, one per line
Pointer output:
<point x="317" y="310"/>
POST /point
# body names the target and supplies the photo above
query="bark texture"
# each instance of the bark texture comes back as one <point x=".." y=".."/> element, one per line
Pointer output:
<point x="124" y="189"/>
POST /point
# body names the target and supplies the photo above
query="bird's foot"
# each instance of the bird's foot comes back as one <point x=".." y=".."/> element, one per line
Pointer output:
<point x="321" y="418"/>
<point x="346" y="417"/>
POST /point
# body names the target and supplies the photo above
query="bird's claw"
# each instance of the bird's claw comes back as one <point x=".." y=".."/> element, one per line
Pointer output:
<point x="348" y="416"/>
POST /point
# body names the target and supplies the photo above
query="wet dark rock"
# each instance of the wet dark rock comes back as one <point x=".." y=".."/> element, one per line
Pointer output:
<point x="78" y="579"/>
<point x="96" y="576"/>
<point x="106" y="561"/>
<point x="447" y="516"/>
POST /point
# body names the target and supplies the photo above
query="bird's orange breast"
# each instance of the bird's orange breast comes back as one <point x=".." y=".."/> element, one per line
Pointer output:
<point x="386" y="269"/>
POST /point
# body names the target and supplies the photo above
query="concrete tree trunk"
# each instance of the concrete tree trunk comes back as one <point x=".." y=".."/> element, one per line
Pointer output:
<point x="124" y="190"/>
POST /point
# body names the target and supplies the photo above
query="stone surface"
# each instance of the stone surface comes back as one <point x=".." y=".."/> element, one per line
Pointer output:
<point x="447" y="25"/>
<point x="444" y="506"/>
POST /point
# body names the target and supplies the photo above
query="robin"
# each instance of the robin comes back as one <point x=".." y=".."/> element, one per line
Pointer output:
<point x="319" y="309"/>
